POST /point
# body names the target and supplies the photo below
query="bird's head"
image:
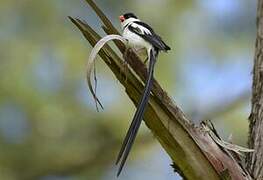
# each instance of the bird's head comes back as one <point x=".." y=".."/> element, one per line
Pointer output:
<point x="127" y="17"/>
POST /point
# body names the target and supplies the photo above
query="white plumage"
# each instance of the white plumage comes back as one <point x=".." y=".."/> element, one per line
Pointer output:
<point x="134" y="40"/>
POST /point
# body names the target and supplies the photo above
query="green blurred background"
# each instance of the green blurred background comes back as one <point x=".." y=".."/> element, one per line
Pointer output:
<point x="49" y="127"/>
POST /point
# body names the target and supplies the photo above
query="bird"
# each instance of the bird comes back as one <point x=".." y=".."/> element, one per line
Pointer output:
<point x="139" y="35"/>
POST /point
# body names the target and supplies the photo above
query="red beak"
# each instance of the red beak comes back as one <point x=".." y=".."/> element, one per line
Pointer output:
<point x="121" y="18"/>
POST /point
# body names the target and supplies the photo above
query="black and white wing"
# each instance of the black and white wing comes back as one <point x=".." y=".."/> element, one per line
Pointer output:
<point x="146" y="32"/>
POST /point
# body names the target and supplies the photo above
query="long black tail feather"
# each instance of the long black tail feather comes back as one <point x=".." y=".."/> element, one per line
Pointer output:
<point x="137" y="119"/>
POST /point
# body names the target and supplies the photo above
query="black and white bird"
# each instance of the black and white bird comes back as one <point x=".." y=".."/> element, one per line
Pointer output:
<point x="139" y="36"/>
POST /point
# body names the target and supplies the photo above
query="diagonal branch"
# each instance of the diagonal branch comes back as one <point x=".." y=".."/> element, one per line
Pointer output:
<point x="195" y="154"/>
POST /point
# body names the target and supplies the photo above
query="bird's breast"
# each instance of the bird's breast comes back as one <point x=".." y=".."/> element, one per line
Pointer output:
<point x="134" y="40"/>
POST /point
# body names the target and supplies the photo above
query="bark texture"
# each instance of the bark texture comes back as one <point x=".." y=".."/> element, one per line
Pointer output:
<point x="255" y="160"/>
